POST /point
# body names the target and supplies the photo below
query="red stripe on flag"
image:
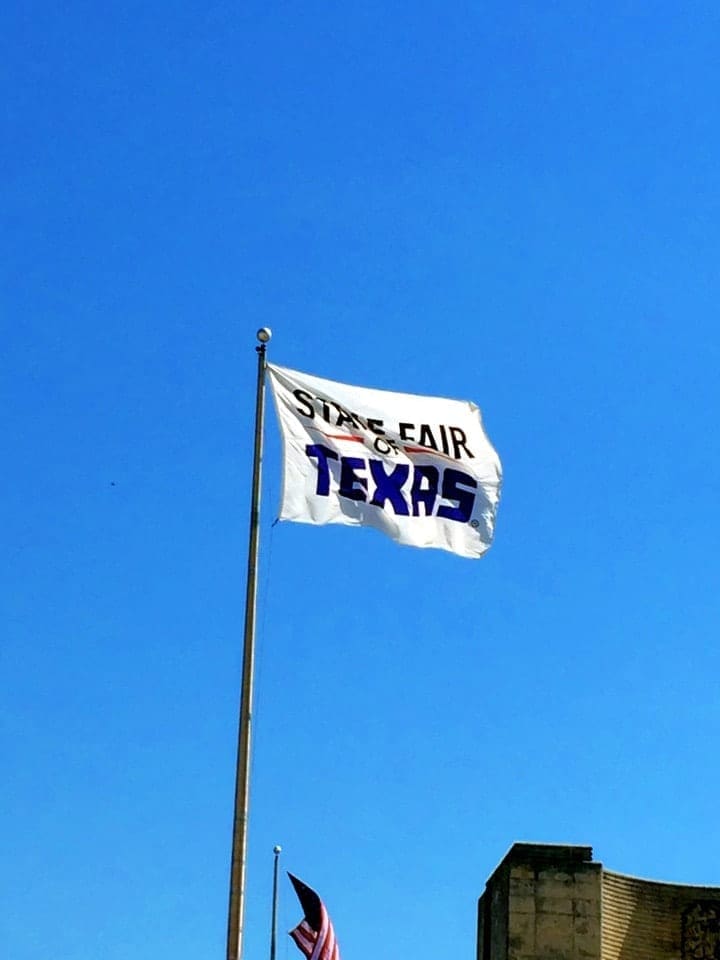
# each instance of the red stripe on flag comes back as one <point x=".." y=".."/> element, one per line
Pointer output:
<point x="432" y="450"/>
<point x="316" y="944"/>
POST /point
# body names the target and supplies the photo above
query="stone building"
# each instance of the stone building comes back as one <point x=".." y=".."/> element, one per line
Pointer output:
<point x="553" y="902"/>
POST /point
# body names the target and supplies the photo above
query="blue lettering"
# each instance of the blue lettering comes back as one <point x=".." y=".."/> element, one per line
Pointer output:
<point x="387" y="486"/>
<point x="323" y="454"/>
<point x="465" y="499"/>
<point x="426" y="495"/>
<point x="457" y="488"/>
<point x="348" y="478"/>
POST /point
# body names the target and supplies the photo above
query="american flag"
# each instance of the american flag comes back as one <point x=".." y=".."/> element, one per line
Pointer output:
<point x="314" y="935"/>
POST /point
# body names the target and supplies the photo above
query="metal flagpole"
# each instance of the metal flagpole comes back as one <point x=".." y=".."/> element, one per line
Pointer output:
<point x="273" y="924"/>
<point x="236" y="908"/>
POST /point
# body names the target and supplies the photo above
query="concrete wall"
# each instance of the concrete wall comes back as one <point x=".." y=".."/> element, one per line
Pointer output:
<point x="543" y="902"/>
<point x="646" y="920"/>
<point x="552" y="902"/>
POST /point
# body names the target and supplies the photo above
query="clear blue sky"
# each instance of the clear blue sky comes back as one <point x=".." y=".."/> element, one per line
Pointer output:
<point x="517" y="204"/>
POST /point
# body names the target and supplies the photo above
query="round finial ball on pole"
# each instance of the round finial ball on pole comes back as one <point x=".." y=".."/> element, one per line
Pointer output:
<point x="277" y="850"/>
<point x="264" y="334"/>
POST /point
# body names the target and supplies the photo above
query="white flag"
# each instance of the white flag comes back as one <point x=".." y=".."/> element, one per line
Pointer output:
<point x="420" y="469"/>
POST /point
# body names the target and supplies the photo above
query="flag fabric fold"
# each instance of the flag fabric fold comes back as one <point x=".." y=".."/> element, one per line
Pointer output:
<point x="314" y="935"/>
<point x="420" y="469"/>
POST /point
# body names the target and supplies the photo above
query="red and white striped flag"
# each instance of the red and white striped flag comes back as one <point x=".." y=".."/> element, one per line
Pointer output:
<point x="314" y="935"/>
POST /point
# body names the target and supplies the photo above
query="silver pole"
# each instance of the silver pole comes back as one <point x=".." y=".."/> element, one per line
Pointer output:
<point x="236" y="908"/>
<point x="273" y="924"/>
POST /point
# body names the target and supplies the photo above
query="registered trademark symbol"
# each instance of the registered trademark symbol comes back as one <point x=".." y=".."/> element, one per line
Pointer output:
<point x="475" y="523"/>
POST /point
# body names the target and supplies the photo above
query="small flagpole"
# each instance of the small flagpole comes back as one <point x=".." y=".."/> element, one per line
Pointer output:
<point x="236" y="907"/>
<point x="273" y="924"/>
